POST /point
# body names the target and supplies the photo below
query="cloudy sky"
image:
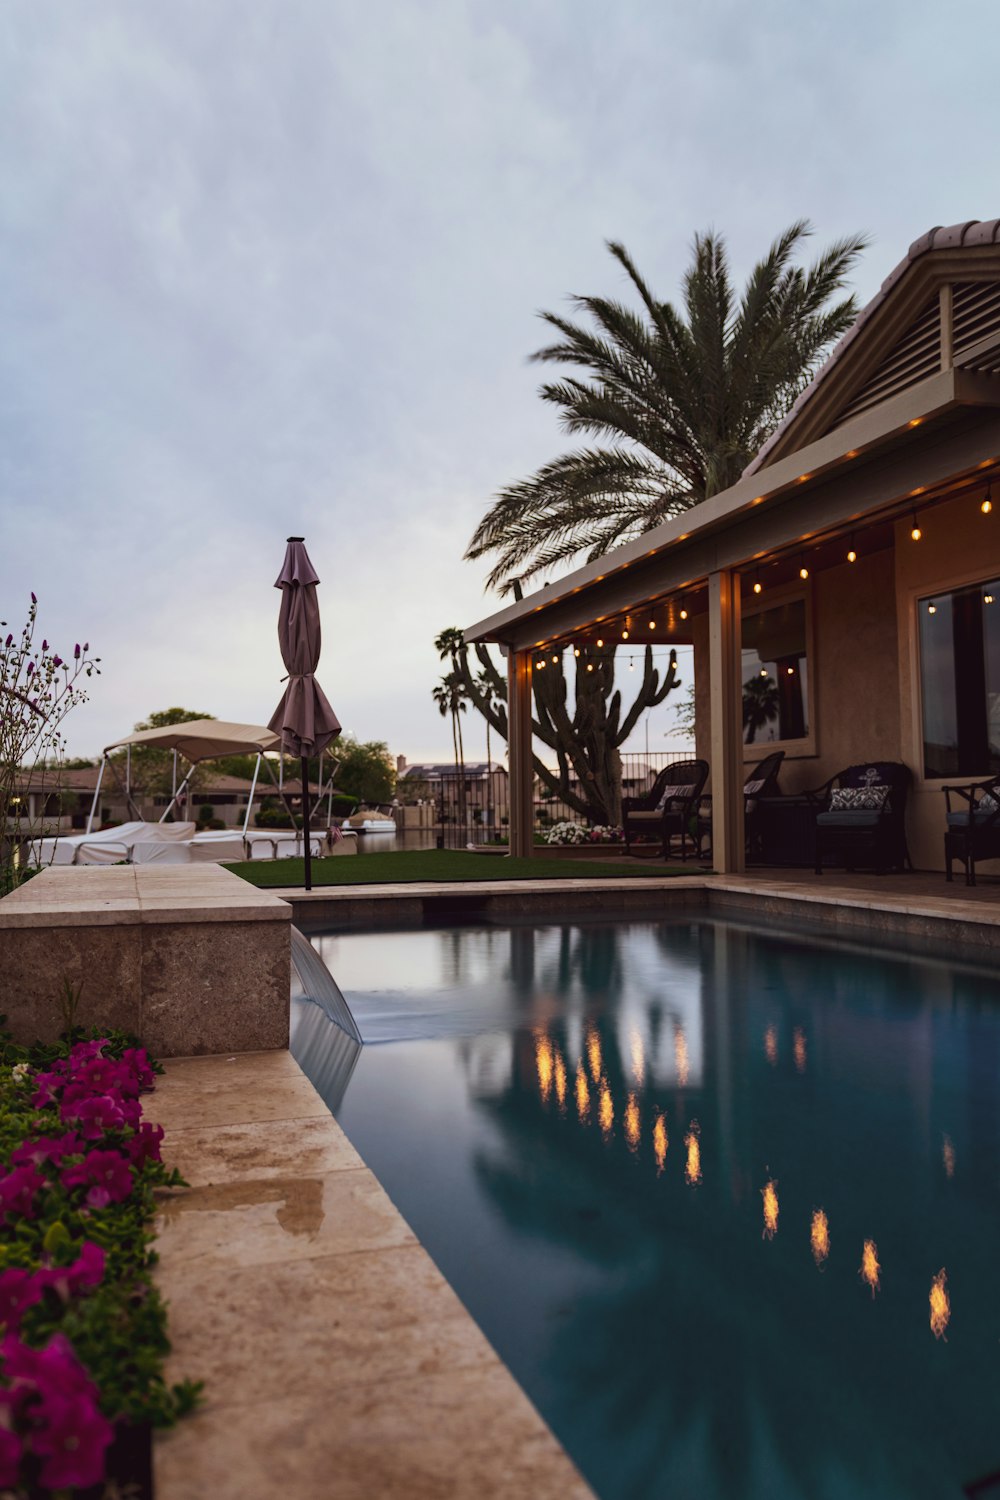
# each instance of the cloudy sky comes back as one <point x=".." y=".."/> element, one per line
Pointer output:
<point x="272" y="268"/>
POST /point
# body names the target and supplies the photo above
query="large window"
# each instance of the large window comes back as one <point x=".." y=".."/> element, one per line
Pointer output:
<point x="960" y="680"/>
<point x="775" y="681"/>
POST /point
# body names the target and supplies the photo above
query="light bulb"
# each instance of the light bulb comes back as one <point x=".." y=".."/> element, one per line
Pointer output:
<point x="684" y="614"/>
<point x="541" y="664"/>
<point x="932" y="609"/>
<point x="987" y="598"/>
<point x="763" y="671"/>
<point x="758" y="586"/>
<point x="803" y="571"/>
<point x="986" y="506"/>
<point x="600" y="643"/>
<point x="790" y="671"/>
<point x="576" y="651"/>
<point x="915" y="532"/>
<point x="555" y="661"/>
<point x="624" y="635"/>
<point x="852" y="556"/>
<point x="652" y="624"/>
<point x="590" y="666"/>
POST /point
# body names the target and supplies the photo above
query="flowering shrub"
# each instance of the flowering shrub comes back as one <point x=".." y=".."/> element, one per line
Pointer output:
<point x="577" y="833"/>
<point x="83" y="1334"/>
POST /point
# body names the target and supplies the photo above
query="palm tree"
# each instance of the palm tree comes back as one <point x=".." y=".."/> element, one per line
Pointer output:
<point x="449" y="645"/>
<point x="484" y="683"/>
<point x="450" y="697"/>
<point x="760" y="705"/>
<point x="681" y="400"/>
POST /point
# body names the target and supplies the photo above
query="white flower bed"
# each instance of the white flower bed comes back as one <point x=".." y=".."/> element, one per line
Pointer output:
<point x="579" y="833"/>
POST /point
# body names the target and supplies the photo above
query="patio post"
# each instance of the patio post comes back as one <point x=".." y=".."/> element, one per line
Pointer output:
<point x="726" y="708"/>
<point x="522" y="822"/>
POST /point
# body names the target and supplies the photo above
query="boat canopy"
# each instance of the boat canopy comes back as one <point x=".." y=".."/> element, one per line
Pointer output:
<point x="204" y="739"/>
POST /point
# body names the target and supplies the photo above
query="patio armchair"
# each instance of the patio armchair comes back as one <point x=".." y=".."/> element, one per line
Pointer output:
<point x="860" y="816"/>
<point x="759" y="780"/>
<point x="669" y="807"/>
<point x="973" y="825"/>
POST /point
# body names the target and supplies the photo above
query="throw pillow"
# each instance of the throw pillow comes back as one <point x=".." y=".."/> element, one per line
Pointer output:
<point x="858" y="798"/>
<point x="673" y="794"/>
<point x="988" y="803"/>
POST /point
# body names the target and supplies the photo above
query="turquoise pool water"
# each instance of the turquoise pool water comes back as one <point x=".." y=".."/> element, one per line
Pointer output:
<point x="726" y="1201"/>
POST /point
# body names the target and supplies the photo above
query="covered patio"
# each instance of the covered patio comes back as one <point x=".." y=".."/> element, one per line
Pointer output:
<point x="855" y="565"/>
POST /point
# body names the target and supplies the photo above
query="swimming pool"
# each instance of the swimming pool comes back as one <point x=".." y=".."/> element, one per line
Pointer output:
<point x="726" y="1200"/>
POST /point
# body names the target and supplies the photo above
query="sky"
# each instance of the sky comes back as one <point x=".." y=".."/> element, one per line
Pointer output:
<point x="272" y="269"/>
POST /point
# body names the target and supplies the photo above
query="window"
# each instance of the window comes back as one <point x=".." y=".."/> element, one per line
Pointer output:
<point x="960" y="680"/>
<point x="775" y="678"/>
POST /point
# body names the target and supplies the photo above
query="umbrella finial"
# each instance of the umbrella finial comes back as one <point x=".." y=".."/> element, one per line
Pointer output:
<point x="294" y="538"/>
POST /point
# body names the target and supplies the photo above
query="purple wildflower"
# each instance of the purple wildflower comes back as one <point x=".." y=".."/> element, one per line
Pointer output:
<point x="37" y="1151"/>
<point x="17" y="1192"/>
<point x="105" y="1171"/>
<point x="19" y="1290"/>
<point x="10" y="1458"/>
<point x="145" y="1144"/>
<point x="76" y="650"/>
<point x="57" y="661"/>
<point x="87" y="1271"/>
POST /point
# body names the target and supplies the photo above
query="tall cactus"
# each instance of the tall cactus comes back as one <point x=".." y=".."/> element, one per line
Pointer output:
<point x="586" y="742"/>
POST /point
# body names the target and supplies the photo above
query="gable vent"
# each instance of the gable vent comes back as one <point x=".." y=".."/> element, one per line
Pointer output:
<point x="976" y="318"/>
<point x="912" y="359"/>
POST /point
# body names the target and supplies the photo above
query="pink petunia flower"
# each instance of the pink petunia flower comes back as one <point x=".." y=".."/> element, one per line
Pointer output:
<point x="103" y="1170"/>
<point x="17" y="1192"/>
<point x="11" y="1451"/>
<point x="19" y="1290"/>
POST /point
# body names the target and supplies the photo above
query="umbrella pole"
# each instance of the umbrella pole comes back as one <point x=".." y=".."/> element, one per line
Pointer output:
<point x="306" y="841"/>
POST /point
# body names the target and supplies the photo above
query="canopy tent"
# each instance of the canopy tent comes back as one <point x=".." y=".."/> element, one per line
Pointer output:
<point x="198" y="740"/>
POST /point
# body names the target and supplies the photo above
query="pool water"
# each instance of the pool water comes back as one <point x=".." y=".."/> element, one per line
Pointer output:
<point x="726" y="1200"/>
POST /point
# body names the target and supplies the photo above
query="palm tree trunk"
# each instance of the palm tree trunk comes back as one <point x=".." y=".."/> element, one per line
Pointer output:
<point x="463" y="811"/>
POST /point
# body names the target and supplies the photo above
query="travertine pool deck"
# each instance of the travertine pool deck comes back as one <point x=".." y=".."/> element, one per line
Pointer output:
<point x="338" y="1362"/>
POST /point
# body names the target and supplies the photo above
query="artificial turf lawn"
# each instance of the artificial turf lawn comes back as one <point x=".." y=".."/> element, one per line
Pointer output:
<point x="443" y="864"/>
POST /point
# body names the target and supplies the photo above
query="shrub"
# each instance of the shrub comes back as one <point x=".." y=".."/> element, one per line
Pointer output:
<point x="206" y="815"/>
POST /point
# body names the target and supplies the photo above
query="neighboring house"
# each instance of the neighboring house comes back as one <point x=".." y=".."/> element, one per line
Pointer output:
<point x="843" y="597"/>
<point x="486" y="787"/>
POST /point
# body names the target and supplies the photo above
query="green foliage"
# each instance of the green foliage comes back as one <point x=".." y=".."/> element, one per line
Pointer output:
<point x="443" y="865"/>
<point x="367" y="771"/>
<point x="270" y="816"/>
<point x="152" y="767"/>
<point x="682" y="398"/>
<point x="342" y="806"/>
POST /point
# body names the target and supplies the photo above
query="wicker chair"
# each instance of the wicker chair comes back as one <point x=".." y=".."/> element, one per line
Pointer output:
<point x="669" y="807"/>
<point x="759" y="780"/>
<point x="857" y="824"/>
<point x="973" y="829"/>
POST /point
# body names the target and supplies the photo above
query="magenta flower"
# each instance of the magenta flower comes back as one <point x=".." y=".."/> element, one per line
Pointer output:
<point x="73" y="1441"/>
<point x="76" y="650"/>
<point x="36" y="1152"/>
<point x="31" y="668"/>
<point x="10" y="1458"/>
<point x="104" y="1172"/>
<point x="87" y="1271"/>
<point x="33" y="599"/>
<point x="137" y="1061"/>
<point x="8" y="641"/>
<point x="145" y="1144"/>
<point x="17" y="1192"/>
<point x="57" y="661"/>
<point x="94" y="1116"/>
<point x="19" y="1290"/>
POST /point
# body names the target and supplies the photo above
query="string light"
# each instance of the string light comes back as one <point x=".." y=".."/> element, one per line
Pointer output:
<point x="932" y="609"/>
<point x="987" y="598"/>
<point x="852" y="556"/>
<point x="590" y="666"/>
<point x="915" y="532"/>
<point x="684" y="614"/>
<point x="555" y="661"/>
<point x="987" y="504"/>
<point x="624" y="635"/>
<point x="600" y="643"/>
<point x="757" y="585"/>
<point x="576" y="651"/>
<point x="652" y="624"/>
<point x="803" y="570"/>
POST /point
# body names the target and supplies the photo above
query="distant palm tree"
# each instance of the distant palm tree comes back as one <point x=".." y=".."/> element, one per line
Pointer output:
<point x="683" y="399"/>
<point x="488" y="692"/>
<point x="760" y="705"/>
<point x="449" y="645"/>
<point x="450" y="696"/>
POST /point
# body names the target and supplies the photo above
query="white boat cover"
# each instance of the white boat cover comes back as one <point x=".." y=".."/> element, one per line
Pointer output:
<point x="110" y="845"/>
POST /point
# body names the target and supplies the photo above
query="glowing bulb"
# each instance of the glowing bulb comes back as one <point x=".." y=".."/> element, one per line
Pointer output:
<point x="600" y="643"/>
<point x="916" y="533"/>
<point x="932" y="609"/>
<point x="576" y="651"/>
<point x="624" y="635"/>
<point x="987" y="598"/>
<point x="986" y="506"/>
<point x="852" y="556"/>
<point x="652" y="624"/>
<point x="684" y="614"/>
<point x="803" y="571"/>
<point x="940" y="1304"/>
<point x="541" y="664"/>
<point x="555" y="661"/>
<point x="763" y="671"/>
<point x="758" y="586"/>
<point x="590" y="666"/>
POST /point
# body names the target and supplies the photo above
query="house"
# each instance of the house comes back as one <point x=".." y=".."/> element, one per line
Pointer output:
<point x="486" y="788"/>
<point x="855" y="564"/>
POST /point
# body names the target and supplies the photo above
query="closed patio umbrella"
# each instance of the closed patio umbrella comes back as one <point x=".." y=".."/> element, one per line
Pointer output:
<point x="304" y="719"/>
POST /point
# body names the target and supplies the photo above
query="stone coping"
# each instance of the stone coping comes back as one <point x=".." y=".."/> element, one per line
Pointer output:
<point x="122" y="895"/>
<point x="337" y="1359"/>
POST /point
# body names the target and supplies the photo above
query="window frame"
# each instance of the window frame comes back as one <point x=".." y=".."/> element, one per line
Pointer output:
<point x="807" y="746"/>
<point x="951" y="583"/>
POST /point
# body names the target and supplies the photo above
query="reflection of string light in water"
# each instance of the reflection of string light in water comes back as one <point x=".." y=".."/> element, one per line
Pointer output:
<point x="819" y="1236"/>
<point x="543" y="1062"/>
<point x="660" y="1143"/>
<point x="606" y="1110"/>
<point x="870" y="1267"/>
<point x="594" y="1053"/>
<point x="692" y="1169"/>
<point x="799" y="1048"/>
<point x="582" y="1094"/>
<point x="632" y="1122"/>
<point x="770" y="1194"/>
<point x="638" y="1059"/>
<point x="948" y="1154"/>
<point x="681" y="1055"/>
<point x="560" y="1071"/>
<point x="940" y="1305"/>
<point x="771" y="1046"/>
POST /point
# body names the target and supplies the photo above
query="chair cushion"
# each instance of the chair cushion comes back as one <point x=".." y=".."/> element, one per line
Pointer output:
<point x="644" y="817"/>
<point x="849" y="817"/>
<point x="673" y="794"/>
<point x="858" y="798"/>
<point x="750" y="787"/>
<point x="980" y="816"/>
